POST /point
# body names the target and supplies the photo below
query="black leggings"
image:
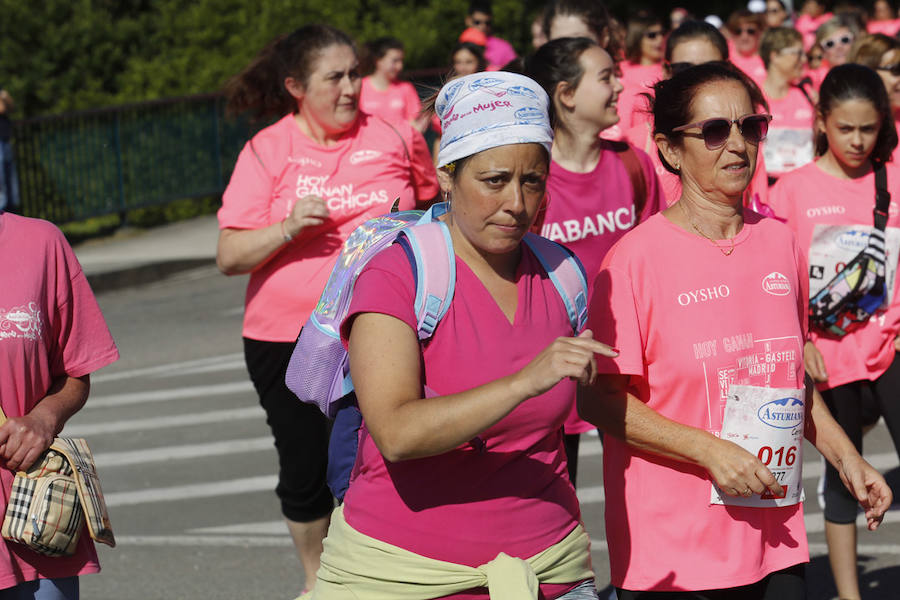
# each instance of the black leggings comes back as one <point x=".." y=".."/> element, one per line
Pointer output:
<point x="847" y="403"/>
<point x="300" y="430"/>
<point x="786" y="584"/>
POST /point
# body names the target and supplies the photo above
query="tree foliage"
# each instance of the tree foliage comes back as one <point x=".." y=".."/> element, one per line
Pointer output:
<point x="63" y="55"/>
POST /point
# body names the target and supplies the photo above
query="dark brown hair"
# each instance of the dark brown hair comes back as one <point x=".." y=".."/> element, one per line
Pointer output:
<point x="673" y="99"/>
<point x="857" y="82"/>
<point x="555" y="62"/>
<point x="259" y="88"/>
<point x="637" y="27"/>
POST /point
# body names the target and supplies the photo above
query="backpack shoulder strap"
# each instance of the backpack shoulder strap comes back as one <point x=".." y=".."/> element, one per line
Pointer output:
<point x="635" y="173"/>
<point x="882" y="197"/>
<point x="430" y="252"/>
<point x="567" y="275"/>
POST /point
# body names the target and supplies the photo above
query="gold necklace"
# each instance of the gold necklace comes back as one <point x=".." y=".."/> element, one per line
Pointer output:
<point x="724" y="250"/>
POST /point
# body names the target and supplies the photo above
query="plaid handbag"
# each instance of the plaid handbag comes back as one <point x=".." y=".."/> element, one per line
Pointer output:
<point x="50" y="503"/>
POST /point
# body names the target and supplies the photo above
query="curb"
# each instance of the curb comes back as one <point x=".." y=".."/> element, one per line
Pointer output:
<point x="137" y="275"/>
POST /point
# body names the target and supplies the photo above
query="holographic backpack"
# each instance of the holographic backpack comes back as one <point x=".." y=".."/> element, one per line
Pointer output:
<point x="319" y="369"/>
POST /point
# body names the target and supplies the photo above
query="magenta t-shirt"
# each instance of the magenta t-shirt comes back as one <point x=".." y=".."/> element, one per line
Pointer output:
<point x="808" y="197"/>
<point x="50" y="326"/>
<point x="636" y="80"/>
<point x="498" y="52"/>
<point x="399" y="102"/>
<point x="359" y="177"/>
<point x="510" y="495"/>
<point x="589" y="212"/>
<point x="689" y="321"/>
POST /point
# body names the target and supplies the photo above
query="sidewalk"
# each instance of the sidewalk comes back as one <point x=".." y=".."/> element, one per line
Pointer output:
<point x="134" y="257"/>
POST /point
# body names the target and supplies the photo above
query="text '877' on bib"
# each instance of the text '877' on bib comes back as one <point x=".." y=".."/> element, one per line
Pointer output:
<point x="768" y="423"/>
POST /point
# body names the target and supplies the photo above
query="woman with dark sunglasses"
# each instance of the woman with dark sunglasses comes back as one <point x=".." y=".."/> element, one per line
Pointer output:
<point x="826" y="203"/>
<point x="642" y="67"/>
<point x="745" y="29"/>
<point x="706" y="302"/>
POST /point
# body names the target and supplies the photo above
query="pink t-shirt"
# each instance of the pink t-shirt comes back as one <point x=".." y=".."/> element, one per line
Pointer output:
<point x="752" y="65"/>
<point x="50" y="326"/>
<point x="636" y="80"/>
<point x="510" y="494"/>
<point x="689" y="321"/>
<point x="359" y="177"/>
<point x="808" y="197"/>
<point x="790" y="139"/>
<point x="399" y="102"/>
<point x="889" y="27"/>
<point x="641" y="136"/>
<point x="498" y="52"/>
<point x="589" y="212"/>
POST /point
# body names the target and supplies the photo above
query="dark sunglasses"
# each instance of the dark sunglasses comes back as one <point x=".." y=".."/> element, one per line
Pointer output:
<point x="747" y="30"/>
<point x="652" y="35"/>
<point x="844" y="39"/>
<point x="715" y="132"/>
<point x="893" y="69"/>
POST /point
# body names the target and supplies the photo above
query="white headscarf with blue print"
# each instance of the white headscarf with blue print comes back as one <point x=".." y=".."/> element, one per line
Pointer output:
<point x="490" y="109"/>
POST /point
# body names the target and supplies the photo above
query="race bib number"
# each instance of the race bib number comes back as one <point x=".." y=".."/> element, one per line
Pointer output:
<point x="787" y="149"/>
<point x="767" y="422"/>
<point x="833" y="246"/>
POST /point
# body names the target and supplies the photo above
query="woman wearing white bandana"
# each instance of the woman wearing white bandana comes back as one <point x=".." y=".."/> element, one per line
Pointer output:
<point x="431" y="513"/>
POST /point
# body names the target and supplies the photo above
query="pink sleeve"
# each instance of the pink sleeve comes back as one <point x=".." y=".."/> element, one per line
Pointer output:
<point x="779" y="202"/>
<point x="803" y="277"/>
<point x="614" y="318"/>
<point x="385" y="286"/>
<point x="424" y="175"/>
<point x="655" y="199"/>
<point x="246" y="203"/>
<point x="82" y="340"/>
<point x="413" y="104"/>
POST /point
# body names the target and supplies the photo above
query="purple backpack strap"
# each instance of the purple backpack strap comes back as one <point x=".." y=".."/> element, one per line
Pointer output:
<point x="430" y="251"/>
<point x="567" y="275"/>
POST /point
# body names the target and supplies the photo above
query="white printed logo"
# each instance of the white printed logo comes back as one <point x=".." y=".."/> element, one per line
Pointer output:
<point x="304" y="161"/>
<point x="21" y="322"/>
<point x="361" y="156"/>
<point x="573" y="230"/>
<point x="776" y="284"/>
<point x="825" y="210"/>
<point x="704" y="295"/>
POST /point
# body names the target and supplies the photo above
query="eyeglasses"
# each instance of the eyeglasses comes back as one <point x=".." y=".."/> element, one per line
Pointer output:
<point x="652" y="35"/>
<point x="844" y="40"/>
<point x="791" y="51"/>
<point x="715" y="131"/>
<point x="893" y="69"/>
<point x="747" y="30"/>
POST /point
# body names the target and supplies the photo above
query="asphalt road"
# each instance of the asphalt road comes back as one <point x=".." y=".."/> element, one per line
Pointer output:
<point x="188" y="467"/>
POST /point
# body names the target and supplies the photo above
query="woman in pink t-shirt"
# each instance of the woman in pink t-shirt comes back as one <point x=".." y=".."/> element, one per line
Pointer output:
<point x="882" y="53"/>
<point x="460" y="474"/>
<point x="52" y="337"/>
<point x="591" y="188"/>
<point x="826" y="203"/>
<point x="705" y="405"/>
<point x="642" y="67"/>
<point x="382" y="93"/>
<point x="745" y="29"/>
<point x="790" y="140"/>
<point x="299" y="187"/>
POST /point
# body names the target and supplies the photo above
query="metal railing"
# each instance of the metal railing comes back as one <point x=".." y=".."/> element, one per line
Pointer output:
<point x="103" y="161"/>
<point x="111" y="160"/>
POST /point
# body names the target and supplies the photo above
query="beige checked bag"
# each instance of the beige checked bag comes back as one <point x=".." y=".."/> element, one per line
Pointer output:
<point x="51" y="501"/>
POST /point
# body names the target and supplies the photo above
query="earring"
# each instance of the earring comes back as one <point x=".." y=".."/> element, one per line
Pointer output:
<point x="447" y="198"/>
